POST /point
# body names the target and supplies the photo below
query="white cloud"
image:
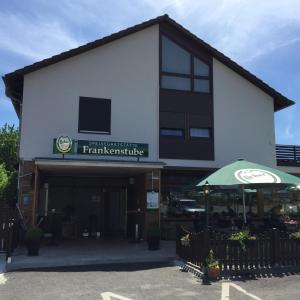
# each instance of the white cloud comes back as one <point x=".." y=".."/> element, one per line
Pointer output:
<point x="32" y="38"/>
<point x="242" y="29"/>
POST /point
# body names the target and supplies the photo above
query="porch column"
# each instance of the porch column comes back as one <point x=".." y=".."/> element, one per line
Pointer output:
<point x="152" y="216"/>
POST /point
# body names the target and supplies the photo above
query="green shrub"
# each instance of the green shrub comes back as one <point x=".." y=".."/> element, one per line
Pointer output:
<point x="295" y="235"/>
<point x="153" y="231"/>
<point x="34" y="233"/>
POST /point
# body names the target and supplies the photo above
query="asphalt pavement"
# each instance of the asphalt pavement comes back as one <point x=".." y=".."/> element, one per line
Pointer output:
<point x="140" y="281"/>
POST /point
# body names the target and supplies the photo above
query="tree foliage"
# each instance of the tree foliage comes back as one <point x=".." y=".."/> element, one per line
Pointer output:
<point x="3" y="181"/>
<point x="9" y="141"/>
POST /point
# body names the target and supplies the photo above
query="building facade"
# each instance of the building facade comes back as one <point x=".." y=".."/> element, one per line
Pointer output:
<point x="112" y="130"/>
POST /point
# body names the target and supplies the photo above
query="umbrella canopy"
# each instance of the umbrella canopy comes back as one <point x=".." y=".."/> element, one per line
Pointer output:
<point x="246" y="173"/>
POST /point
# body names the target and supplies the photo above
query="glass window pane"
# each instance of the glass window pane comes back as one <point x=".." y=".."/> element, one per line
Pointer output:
<point x="201" y="85"/>
<point x="174" y="58"/>
<point x="200" y="68"/>
<point x="171" y="132"/>
<point x="199" y="132"/>
<point x="176" y="83"/>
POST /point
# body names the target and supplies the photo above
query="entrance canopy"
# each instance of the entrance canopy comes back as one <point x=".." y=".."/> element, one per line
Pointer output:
<point x="104" y="167"/>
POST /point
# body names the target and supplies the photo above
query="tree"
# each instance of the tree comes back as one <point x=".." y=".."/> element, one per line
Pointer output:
<point x="3" y="181"/>
<point x="9" y="141"/>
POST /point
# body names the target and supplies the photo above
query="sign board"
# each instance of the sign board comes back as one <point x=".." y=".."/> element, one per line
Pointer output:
<point x="66" y="145"/>
<point x="25" y="199"/>
<point x="152" y="200"/>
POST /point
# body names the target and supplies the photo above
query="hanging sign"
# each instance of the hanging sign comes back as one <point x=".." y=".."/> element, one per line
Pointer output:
<point x="152" y="200"/>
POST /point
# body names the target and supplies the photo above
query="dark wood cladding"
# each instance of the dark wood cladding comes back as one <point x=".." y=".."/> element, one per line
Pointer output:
<point x="183" y="110"/>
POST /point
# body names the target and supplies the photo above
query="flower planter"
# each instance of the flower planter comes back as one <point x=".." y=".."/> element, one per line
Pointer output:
<point x="234" y="243"/>
<point x="297" y="241"/>
<point x="33" y="247"/>
<point x="214" y="273"/>
<point x="185" y="243"/>
<point x="153" y="243"/>
<point x="250" y="243"/>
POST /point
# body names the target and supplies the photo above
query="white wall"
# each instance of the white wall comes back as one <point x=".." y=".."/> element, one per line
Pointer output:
<point x="125" y="71"/>
<point x="243" y="122"/>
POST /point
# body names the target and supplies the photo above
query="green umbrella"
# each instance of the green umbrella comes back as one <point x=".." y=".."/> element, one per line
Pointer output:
<point x="247" y="174"/>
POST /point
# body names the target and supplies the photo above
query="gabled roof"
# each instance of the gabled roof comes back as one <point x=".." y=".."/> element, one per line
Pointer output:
<point x="14" y="81"/>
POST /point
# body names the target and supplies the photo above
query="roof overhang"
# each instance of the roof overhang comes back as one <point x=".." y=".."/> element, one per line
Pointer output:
<point x="95" y="167"/>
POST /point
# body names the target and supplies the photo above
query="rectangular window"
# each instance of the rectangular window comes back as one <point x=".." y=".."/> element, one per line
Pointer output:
<point x="201" y="85"/>
<point x="176" y="132"/>
<point x="199" y="133"/>
<point x="176" y="83"/>
<point x="94" y="115"/>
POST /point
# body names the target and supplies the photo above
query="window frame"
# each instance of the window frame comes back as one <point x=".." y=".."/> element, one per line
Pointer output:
<point x="202" y="137"/>
<point x="190" y="76"/>
<point x="93" y="131"/>
<point x="172" y="136"/>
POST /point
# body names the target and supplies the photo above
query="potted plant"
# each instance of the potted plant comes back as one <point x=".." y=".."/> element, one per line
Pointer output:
<point x="213" y="268"/>
<point x="295" y="236"/>
<point x="153" y="237"/>
<point x="33" y="240"/>
<point x="250" y="241"/>
<point x="185" y="240"/>
<point x="242" y="239"/>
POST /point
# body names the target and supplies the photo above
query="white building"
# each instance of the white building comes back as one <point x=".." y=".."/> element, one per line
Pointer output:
<point x="110" y="126"/>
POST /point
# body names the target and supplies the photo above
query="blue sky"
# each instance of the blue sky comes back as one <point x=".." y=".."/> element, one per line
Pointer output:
<point x="262" y="36"/>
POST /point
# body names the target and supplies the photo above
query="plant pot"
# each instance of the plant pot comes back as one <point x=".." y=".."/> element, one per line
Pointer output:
<point x="250" y="243"/>
<point x="33" y="247"/>
<point x="153" y="243"/>
<point x="214" y="273"/>
<point x="297" y="241"/>
<point x="234" y="243"/>
<point x="185" y="243"/>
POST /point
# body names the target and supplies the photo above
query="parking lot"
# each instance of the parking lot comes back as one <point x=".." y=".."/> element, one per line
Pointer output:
<point x="138" y="281"/>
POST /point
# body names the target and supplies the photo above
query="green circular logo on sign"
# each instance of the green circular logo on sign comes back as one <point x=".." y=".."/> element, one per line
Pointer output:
<point x="64" y="144"/>
<point x="256" y="176"/>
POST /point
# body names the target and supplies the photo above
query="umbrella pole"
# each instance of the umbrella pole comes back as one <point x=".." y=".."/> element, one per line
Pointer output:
<point x="244" y="205"/>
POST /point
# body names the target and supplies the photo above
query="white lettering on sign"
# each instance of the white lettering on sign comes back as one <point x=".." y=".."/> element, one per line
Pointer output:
<point x="256" y="176"/>
<point x="111" y="296"/>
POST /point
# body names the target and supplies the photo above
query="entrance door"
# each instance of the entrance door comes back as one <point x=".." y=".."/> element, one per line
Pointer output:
<point x="115" y="212"/>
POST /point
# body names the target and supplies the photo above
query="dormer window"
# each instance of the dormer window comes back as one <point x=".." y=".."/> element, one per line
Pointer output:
<point x="180" y="70"/>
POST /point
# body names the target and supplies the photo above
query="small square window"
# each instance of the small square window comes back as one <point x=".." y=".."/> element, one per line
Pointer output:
<point x="94" y="115"/>
<point x="199" y="133"/>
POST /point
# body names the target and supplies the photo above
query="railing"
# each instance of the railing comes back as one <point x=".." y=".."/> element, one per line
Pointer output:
<point x="288" y="155"/>
<point x="272" y="248"/>
<point x="9" y="230"/>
